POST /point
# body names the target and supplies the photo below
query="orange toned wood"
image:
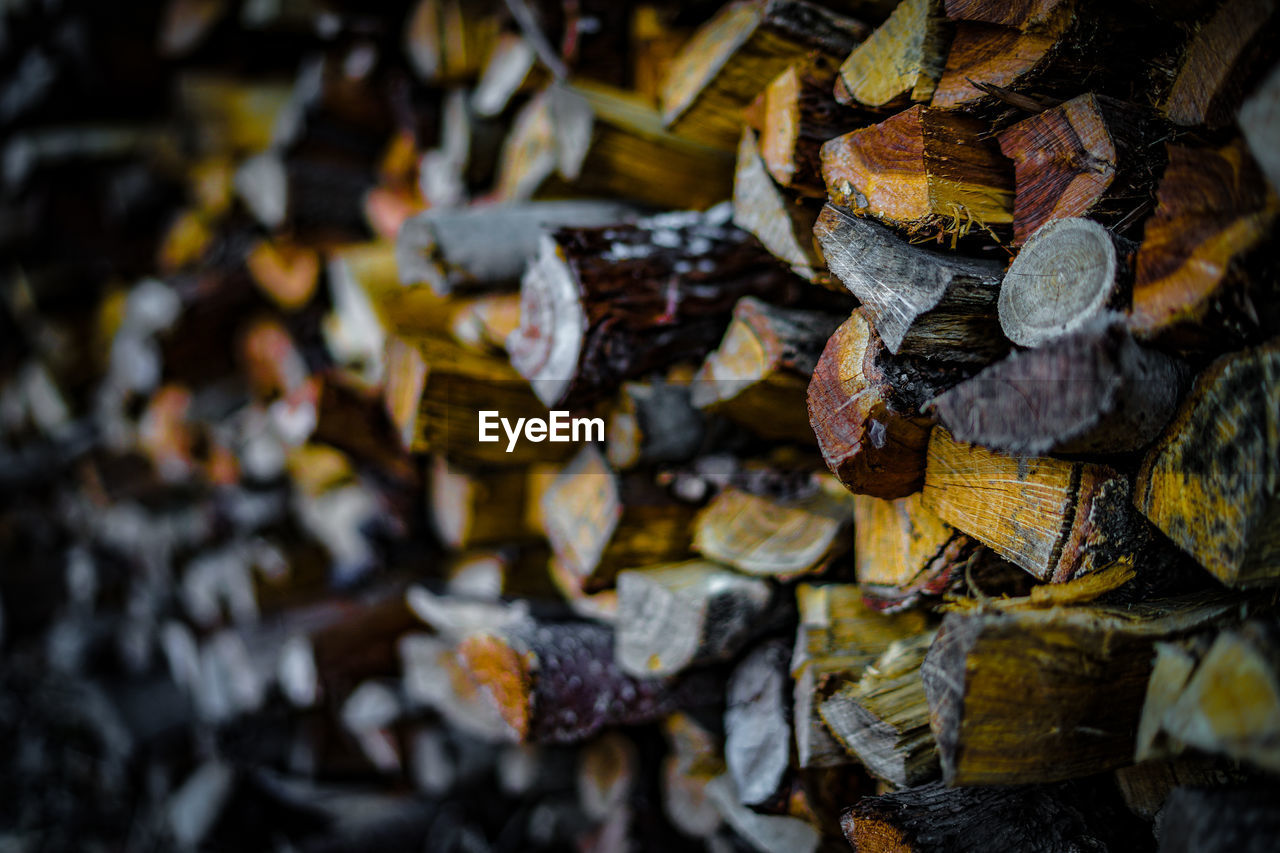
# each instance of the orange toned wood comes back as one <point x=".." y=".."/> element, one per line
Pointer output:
<point x="799" y="114"/>
<point x="903" y="551"/>
<point x="994" y="55"/>
<point x="901" y="62"/>
<point x="286" y="272"/>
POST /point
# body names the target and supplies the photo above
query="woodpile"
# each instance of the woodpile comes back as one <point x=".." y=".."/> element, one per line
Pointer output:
<point x="772" y="425"/>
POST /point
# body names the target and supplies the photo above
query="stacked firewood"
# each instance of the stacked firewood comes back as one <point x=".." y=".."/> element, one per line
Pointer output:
<point x="918" y="370"/>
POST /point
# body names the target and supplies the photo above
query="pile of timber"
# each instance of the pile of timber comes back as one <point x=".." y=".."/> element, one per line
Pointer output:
<point x="919" y="367"/>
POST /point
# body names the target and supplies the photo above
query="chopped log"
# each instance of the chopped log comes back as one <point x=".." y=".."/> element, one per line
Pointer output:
<point x="1087" y="667"/>
<point x="455" y="249"/>
<point x="799" y="115"/>
<point x="599" y="522"/>
<point x="759" y="374"/>
<point x="1058" y="520"/>
<point x="904" y="553"/>
<point x="1222" y="61"/>
<point x="838" y="636"/>
<point x="1229" y="704"/>
<point x="922" y="303"/>
<point x="603" y="305"/>
<point x="774" y="538"/>
<point x="591" y="139"/>
<point x="783" y="226"/>
<point x="1069" y="275"/>
<point x="901" y="62"/>
<point x="1021" y="14"/>
<point x="1090" y="156"/>
<point x="693" y="761"/>
<point x="1209" y="482"/>
<point x="985" y="55"/>
<point x="932" y="818"/>
<point x="476" y="507"/>
<point x="883" y="719"/>
<point x="657" y="34"/>
<point x="1094" y="391"/>
<point x="1146" y="786"/>
<point x="286" y="272"/>
<point x="1260" y="124"/>
<point x="923" y="169"/>
<point x="863" y="405"/>
<point x="1227" y="820"/>
<point x="757" y="726"/>
<point x="1191" y="288"/>
<point x="509" y="69"/>
<point x="558" y="683"/>
<point x="682" y="615"/>
<point x="654" y="422"/>
<point x="765" y="833"/>
<point x="449" y="40"/>
<point x="732" y="57"/>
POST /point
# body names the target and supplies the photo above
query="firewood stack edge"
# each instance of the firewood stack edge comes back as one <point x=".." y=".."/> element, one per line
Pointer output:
<point x="769" y="426"/>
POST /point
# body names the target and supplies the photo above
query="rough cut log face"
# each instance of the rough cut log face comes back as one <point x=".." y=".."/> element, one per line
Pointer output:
<point x="1210" y="481"/>
<point x="921" y="169"/>
<point x="757" y="723"/>
<point x="759" y="207"/>
<point x="922" y="303"/>
<point x="610" y="304"/>
<point x="1213" y="210"/>
<point x="771" y="538"/>
<point x="1094" y="391"/>
<point x="902" y="551"/>
<point x="1064" y="279"/>
<point x="800" y="115"/>
<point x="900" y="61"/>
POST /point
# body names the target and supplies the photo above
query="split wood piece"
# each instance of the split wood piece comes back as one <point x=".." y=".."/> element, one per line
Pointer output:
<point x="654" y="422"/>
<point x="757" y="726"/>
<point x="435" y="391"/>
<point x="1094" y="391"/>
<point x="863" y="406"/>
<point x="904" y="553"/>
<point x="1227" y="820"/>
<point x="772" y="537"/>
<point x="676" y="616"/>
<point x="883" y="719"/>
<point x="782" y="225"/>
<point x="557" y="682"/>
<point x="799" y="114"/>
<point x="608" y="771"/>
<point x="1192" y="286"/>
<point x="485" y="322"/>
<point x="450" y="40"/>
<point x="455" y="249"/>
<point x="1228" y="704"/>
<point x="990" y="64"/>
<point x="1210" y="481"/>
<point x="603" y="305"/>
<point x="759" y="375"/>
<point x="599" y="606"/>
<point x="1068" y="276"/>
<point x="287" y="273"/>
<point x="589" y="139"/>
<point x="732" y="57"/>
<point x="1146" y="786"/>
<point x="838" y="636"/>
<point x="1090" y="156"/>
<point x="1260" y="123"/>
<point x="658" y="32"/>
<point x="765" y="833"/>
<point x="442" y="171"/>
<point x="901" y="62"/>
<point x="511" y="68"/>
<point x="599" y="522"/>
<point x="475" y="507"/>
<point x="1022" y="14"/>
<point x="926" y="304"/>
<point x="1049" y="694"/>
<point x="1223" y="59"/>
<point x="923" y="169"/>
<point x="433" y="678"/>
<point x="350" y="417"/>
<point x="693" y="761"/>
<point x="1056" y="519"/>
<point x="1053" y="818"/>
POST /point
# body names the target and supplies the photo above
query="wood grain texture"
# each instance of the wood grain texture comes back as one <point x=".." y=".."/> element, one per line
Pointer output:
<point x="1191" y="286"/>
<point x="1070" y="275"/>
<point x="1050" y="694"/>
<point x="1056" y="519"/>
<point x="732" y="57"/>
<point x="903" y="553"/>
<point x="1090" y="156"/>
<point x="799" y="115"/>
<point x="921" y="169"/>
<point x="1095" y="391"/>
<point x="774" y="538"/>
<point x="922" y="303"/>
<point x="757" y="725"/>
<point x="1222" y="60"/>
<point x="901" y="61"/>
<point x="1210" y="482"/>
<point x="783" y="225"/>
<point x="760" y="372"/>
